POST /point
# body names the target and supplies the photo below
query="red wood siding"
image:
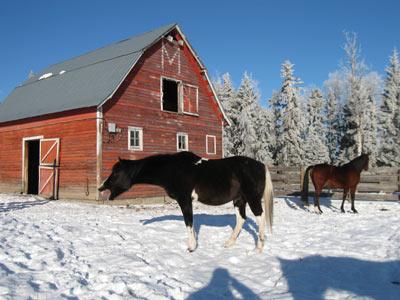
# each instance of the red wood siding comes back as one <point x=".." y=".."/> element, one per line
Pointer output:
<point x="77" y="133"/>
<point x="138" y="103"/>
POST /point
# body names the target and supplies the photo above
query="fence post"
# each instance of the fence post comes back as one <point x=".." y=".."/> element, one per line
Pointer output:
<point x="301" y="177"/>
<point x="398" y="184"/>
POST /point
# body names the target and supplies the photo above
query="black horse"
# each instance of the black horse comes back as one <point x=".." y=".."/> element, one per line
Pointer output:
<point x="187" y="177"/>
<point x="345" y="177"/>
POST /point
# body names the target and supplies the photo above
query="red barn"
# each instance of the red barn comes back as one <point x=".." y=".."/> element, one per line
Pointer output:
<point x="63" y="129"/>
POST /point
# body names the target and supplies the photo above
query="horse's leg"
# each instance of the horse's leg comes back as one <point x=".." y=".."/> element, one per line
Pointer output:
<point x="318" y="191"/>
<point x="345" y="192"/>
<point x="240" y="218"/>
<point x="353" y="196"/>
<point x="256" y="208"/>
<point x="187" y="210"/>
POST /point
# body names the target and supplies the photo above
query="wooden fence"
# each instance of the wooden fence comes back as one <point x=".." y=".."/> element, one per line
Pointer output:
<point x="375" y="184"/>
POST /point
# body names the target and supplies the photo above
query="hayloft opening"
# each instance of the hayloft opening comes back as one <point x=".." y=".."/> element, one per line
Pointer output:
<point x="170" y="95"/>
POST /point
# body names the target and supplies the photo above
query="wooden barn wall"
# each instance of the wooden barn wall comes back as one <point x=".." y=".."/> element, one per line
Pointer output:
<point x="138" y="103"/>
<point x="77" y="133"/>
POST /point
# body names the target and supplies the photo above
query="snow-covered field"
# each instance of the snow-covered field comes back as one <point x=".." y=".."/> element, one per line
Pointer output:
<point x="64" y="250"/>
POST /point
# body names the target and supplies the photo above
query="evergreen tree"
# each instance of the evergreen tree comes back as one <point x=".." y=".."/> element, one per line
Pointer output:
<point x="265" y="134"/>
<point x="389" y="115"/>
<point x="354" y="70"/>
<point x="250" y="130"/>
<point x="248" y="97"/>
<point x="371" y="88"/>
<point x="316" y="144"/>
<point x="227" y="95"/>
<point x="277" y="107"/>
<point x="333" y="121"/>
<point x="289" y="144"/>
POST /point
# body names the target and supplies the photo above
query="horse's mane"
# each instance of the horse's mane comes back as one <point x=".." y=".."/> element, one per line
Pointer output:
<point x="358" y="163"/>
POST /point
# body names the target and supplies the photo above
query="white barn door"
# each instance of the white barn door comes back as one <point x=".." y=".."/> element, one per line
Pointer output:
<point x="48" y="168"/>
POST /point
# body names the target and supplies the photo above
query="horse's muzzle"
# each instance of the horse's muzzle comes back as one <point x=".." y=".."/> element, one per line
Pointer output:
<point x="102" y="188"/>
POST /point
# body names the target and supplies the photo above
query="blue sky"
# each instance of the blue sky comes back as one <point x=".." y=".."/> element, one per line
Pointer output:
<point x="229" y="36"/>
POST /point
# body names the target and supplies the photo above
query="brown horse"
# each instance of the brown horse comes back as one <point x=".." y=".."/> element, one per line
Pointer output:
<point x="345" y="177"/>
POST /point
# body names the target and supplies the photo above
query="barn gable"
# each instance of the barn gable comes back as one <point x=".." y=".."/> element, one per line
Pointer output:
<point x="84" y="81"/>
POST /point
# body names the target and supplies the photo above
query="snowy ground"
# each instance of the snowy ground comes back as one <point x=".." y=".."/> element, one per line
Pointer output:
<point x="63" y="250"/>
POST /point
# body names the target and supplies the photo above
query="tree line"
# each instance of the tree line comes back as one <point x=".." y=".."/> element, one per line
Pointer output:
<point x="356" y="111"/>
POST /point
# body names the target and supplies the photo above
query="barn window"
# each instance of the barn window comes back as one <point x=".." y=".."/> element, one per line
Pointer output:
<point x="182" y="141"/>
<point x="211" y="144"/>
<point x="190" y="99"/>
<point x="135" y="138"/>
<point x="170" y="94"/>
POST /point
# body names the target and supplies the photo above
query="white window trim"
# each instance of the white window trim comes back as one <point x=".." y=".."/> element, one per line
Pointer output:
<point x="215" y="144"/>
<point x="162" y="94"/>
<point x="178" y="134"/>
<point x="135" y="148"/>
<point x="197" y="100"/>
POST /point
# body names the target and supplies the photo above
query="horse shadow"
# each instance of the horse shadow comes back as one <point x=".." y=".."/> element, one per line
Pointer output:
<point x="210" y="220"/>
<point x="11" y="206"/>
<point x="314" y="276"/>
<point x="295" y="202"/>
<point x="223" y="285"/>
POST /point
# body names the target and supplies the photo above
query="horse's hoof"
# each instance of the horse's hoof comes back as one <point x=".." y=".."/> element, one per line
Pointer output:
<point x="258" y="250"/>
<point x="317" y="210"/>
<point x="260" y="246"/>
<point x="355" y="211"/>
<point x="342" y="210"/>
<point x="229" y="243"/>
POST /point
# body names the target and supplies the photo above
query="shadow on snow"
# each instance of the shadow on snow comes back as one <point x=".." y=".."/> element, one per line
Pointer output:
<point x="312" y="276"/>
<point x="10" y="206"/>
<point x="294" y="202"/>
<point x="223" y="286"/>
<point x="209" y="220"/>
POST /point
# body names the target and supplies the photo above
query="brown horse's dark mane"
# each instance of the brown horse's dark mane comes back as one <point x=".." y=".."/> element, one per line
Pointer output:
<point x="358" y="163"/>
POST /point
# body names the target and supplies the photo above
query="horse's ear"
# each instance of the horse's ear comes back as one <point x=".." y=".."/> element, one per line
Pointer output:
<point x="119" y="159"/>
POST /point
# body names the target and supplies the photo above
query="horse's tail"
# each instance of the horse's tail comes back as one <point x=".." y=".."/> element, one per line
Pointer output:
<point x="268" y="199"/>
<point x="304" y="192"/>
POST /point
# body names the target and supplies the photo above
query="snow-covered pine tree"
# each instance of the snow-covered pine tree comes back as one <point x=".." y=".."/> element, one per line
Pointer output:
<point x="227" y="95"/>
<point x="276" y="109"/>
<point x="354" y="69"/>
<point x="265" y="132"/>
<point x="333" y="112"/>
<point x="316" y="150"/>
<point x="289" y="143"/>
<point x="370" y="91"/>
<point x="389" y="127"/>
<point x="248" y="143"/>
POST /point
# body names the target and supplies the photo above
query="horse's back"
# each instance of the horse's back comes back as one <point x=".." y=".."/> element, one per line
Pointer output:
<point x="334" y="176"/>
<point x="222" y="180"/>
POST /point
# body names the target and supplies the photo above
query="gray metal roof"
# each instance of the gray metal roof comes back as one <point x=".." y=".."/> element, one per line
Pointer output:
<point x="84" y="81"/>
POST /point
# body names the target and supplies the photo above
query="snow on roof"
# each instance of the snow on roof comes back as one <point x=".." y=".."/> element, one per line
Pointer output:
<point x="46" y="75"/>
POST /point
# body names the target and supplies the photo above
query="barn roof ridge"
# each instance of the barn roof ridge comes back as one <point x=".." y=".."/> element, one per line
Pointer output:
<point x="58" y="65"/>
<point x="170" y="26"/>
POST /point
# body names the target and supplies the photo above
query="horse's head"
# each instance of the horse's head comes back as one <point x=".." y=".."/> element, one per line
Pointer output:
<point x="365" y="158"/>
<point x="120" y="179"/>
